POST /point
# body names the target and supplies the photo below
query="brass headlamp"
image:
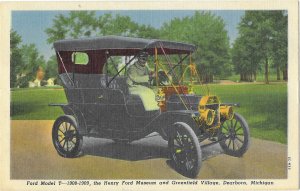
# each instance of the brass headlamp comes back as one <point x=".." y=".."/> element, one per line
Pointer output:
<point x="226" y="112"/>
<point x="207" y="115"/>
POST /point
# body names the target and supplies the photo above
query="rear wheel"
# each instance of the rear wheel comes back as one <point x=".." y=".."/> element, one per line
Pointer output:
<point x="185" y="151"/>
<point x="66" y="138"/>
<point x="234" y="136"/>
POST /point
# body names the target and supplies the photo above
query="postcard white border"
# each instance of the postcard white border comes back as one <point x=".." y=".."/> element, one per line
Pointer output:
<point x="293" y="130"/>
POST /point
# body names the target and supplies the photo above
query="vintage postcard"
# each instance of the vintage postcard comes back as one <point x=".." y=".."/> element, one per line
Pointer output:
<point x="148" y="95"/>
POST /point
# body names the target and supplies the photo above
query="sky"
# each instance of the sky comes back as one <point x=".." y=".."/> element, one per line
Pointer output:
<point x="31" y="25"/>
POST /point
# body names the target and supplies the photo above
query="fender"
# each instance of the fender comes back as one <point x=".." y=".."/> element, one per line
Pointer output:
<point x="164" y="122"/>
<point x="72" y="110"/>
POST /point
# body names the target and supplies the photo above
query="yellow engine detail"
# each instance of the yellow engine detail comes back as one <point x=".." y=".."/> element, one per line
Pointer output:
<point x="207" y="115"/>
<point x="160" y="98"/>
<point x="226" y="112"/>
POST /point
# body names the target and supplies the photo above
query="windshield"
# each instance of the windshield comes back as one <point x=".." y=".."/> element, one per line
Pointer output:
<point x="154" y="70"/>
<point x="169" y="69"/>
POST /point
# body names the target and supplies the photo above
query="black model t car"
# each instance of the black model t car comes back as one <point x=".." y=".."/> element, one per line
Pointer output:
<point x="101" y="105"/>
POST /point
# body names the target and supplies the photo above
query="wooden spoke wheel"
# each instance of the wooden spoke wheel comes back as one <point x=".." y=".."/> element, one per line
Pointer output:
<point x="65" y="137"/>
<point x="234" y="136"/>
<point x="185" y="151"/>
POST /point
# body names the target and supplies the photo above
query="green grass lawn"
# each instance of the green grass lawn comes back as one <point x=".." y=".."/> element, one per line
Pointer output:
<point x="32" y="103"/>
<point x="263" y="106"/>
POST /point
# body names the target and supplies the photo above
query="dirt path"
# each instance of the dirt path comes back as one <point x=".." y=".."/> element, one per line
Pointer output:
<point x="34" y="157"/>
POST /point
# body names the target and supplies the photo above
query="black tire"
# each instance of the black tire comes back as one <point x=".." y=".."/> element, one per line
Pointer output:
<point x="185" y="150"/>
<point x="66" y="138"/>
<point x="234" y="136"/>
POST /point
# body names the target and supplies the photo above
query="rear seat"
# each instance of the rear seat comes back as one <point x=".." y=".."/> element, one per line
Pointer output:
<point x="93" y="81"/>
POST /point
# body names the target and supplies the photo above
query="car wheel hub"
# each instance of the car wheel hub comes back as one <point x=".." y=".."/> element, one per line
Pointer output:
<point x="69" y="135"/>
<point x="232" y="134"/>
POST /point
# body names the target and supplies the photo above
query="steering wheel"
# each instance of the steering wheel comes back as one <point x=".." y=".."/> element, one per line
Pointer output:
<point x="163" y="78"/>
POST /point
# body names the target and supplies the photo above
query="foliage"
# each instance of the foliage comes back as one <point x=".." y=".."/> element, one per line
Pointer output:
<point x="112" y="65"/>
<point x="117" y="25"/>
<point x="245" y="59"/>
<point x="51" y="70"/>
<point x="85" y="24"/>
<point x="15" y="57"/>
<point x="259" y="77"/>
<point x="31" y="62"/>
<point x="44" y="83"/>
<point x="80" y="58"/>
<point x="147" y="31"/>
<point x="280" y="43"/>
<point x="23" y="81"/>
<point x="25" y="61"/>
<point x="208" y="33"/>
<point x="262" y="40"/>
<point x="75" y="25"/>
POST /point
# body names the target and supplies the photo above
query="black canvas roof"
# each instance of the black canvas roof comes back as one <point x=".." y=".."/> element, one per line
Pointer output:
<point x="119" y="42"/>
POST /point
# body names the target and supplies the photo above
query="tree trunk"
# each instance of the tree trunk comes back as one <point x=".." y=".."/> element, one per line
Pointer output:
<point x="267" y="71"/>
<point x="202" y="77"/>
<point x="254" y="76"/>
<point x="243" y="77"/>
<point x="206" y="78"/>
<point x="211" y="78"/>
<point x="278" y="73"/>
<point x="285" y="73"/>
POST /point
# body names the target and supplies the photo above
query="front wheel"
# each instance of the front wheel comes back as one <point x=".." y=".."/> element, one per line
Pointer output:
<point x="66" y="138"/>
<point x="185" y="151"/>
<point x="234" y="136"/>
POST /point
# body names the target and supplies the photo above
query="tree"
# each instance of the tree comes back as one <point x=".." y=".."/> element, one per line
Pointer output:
<point x="207" y="32"/>
<point x="263" y="40"/>
<point x="78" y="24"/>
<point x="51" y="70"/>
<point x="117" y="25"/>
<point x="245" y="57"/>
<point x="280" y="43"/>
<point x="31" y="63"/>
<point x="75" y="25"/>
<point x="147" y="31"/>
<point x="15" y="57"/>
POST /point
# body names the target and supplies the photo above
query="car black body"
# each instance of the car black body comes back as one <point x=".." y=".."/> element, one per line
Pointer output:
<point x="100" y="105"/>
